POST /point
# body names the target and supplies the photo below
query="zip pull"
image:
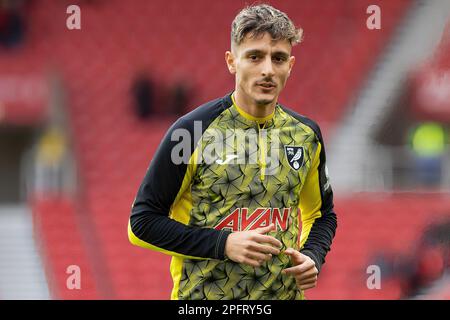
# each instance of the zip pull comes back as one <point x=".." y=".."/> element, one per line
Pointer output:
<point x="262" y="152"/>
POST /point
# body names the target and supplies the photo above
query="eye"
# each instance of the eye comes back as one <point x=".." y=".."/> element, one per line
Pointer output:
<point x="279" y="59"/>
<point x="253" y="57"/>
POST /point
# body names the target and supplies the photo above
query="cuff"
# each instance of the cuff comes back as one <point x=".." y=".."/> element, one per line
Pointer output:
<point x="220" y="244"/>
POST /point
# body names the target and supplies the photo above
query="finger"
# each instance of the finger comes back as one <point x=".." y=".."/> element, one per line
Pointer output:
<point x="295" y="255"/>
<point x="290" y="271"/>
<point x="259" y="256"/>
<point x="251" y="262"/>
<point x="267" y="229"/>
<point x="303" y="267"/>
<point x="304" y="284"/>
<point x="310" y="274"/>
<point x="307" y="286"/>
<point x="298" y="269"/>
<point x="306" y="280"/>
<point x="306" y="267"/>
<point x="264" y="249"/>
<point x="260" y="238"/>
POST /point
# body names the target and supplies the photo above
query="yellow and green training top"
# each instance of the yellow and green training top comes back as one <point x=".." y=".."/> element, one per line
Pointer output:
<point x="219" y="170"/>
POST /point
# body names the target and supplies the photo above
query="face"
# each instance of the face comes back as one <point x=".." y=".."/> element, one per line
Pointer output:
<point x="261" y="66"/>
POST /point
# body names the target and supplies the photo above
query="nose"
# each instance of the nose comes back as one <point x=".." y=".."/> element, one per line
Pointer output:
<point x="267" y="67"/>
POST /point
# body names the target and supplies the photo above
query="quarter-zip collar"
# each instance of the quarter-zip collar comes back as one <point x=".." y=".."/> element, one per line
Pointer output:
<point x="254" y="122"/>
<point x="248" y="116"/>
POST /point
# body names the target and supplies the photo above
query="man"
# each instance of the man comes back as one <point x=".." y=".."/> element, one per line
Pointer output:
<point x="226" y="206"/>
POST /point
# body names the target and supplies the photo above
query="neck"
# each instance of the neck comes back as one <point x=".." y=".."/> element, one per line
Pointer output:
<point x="250" y="107"/>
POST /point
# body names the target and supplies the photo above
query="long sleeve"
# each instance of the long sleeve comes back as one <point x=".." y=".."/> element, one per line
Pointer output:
<point x="160" y="213"/>
<point x="319" y="221"/>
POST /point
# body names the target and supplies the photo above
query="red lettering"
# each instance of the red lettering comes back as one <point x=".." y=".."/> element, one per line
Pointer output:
<point x="263" y="221"/>
<point x="230" y="222"/>
<point x="239" y="219"/>
<point x="281" y="221"/>
<point x="247" y="221"/>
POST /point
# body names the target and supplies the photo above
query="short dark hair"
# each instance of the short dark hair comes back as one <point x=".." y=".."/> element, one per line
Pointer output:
<point x="258" y="19"/>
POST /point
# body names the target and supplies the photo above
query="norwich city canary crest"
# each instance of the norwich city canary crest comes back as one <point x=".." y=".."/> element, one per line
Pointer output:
<point x="294" y="156"/>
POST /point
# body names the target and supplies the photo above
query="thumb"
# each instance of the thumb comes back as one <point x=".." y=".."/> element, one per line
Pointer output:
<point x="267" y="229"/>
<point x="296" y="256"/>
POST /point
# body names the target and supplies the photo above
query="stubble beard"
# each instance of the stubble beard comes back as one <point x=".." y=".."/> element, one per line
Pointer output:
<point x="264" y="102"/>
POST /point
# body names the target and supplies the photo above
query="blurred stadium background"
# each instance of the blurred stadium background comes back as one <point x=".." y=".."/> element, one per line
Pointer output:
<point x="82" y="112"/>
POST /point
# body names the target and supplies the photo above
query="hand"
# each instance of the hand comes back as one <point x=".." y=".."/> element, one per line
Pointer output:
<point x="252" y="247"/>
<point x="304" y="269"/>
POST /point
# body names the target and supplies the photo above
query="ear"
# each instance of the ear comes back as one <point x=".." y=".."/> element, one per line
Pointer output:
<point x="291" y="64"/>
<point x="230" y="60"/>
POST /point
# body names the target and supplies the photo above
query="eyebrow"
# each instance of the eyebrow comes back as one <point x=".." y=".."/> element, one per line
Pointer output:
<point x="258" y="52"/>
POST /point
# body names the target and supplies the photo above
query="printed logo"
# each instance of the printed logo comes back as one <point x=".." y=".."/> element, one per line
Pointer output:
<point x="294" y="156"/>
<point x="240" y="219"/>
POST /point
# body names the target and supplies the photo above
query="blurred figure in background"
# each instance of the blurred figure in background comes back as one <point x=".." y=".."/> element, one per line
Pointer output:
<point x="422" y="269"/>
<point x="429" y="261"/>
<point x="428" y="142"/>
<point x="12" y="23"/>
<point x="179" y="98"/>
<point x="143" y="95"/>
<point x="51" y="151"/>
